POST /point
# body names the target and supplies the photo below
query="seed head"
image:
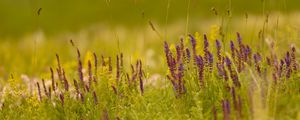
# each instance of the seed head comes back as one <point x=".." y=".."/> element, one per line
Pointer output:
<point x="206" y="44"/>
<point x="95" y="98"/>
<point x="62" y="98"/>
<point x="39" y="91"/>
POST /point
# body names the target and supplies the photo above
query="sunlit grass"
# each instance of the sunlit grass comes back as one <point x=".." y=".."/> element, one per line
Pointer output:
<point x="140" y="85"/>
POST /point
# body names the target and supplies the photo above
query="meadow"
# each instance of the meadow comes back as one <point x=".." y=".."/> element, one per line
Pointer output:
<point x="191" y="62"/>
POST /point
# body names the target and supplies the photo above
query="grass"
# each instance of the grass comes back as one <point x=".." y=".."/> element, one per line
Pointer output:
<point x="245" y="70"/>
<point x="204" y="81"/>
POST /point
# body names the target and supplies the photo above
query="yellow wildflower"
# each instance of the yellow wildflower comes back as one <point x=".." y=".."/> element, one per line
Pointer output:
<point x="214" y="32"/>
<point x="89" y="56"/>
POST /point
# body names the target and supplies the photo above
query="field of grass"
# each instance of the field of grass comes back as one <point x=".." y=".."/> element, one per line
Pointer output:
<point x="222" y="64"/>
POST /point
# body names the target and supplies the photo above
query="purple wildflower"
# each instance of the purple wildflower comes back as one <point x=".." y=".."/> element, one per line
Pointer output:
<point x="218" y="46"/>
<point x="170" y="60"/>
<point x="206" y="44"/>
<point x="65" y="81"/>
<point x="210" y="61"/>
<point x="90" y="72"/>
<point x="188" y="54"/>
<point x="179" y="77"/>
<point x="235" y="103"/>
<point x="178" y="52"/>
<point x="232" y="48"/>
<point x="239" y="38"/>
<point x="287" y="59"/>
<point x="293" y="57"/>
<point x="193" y="41"/>
<point x="174" y="84"/>
<point x="80" y="74"/>
<point x="233" y="74"/>
<point x="280" y="68"/>
<point x="288" y="64"/>
<point x="248" y="55"/>
<point x="228" y="62"/>
<point x="257" y="59"/>
<point x="200" y="65"/>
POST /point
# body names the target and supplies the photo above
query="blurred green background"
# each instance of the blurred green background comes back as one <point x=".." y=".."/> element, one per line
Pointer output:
<point x="19" y="17"/>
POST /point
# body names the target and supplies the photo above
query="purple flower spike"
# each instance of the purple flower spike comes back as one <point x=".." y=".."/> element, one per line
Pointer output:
<point x="257" y="59"/>
<point x="180" y="76"/>
<point x="181" y="70"/>
<point x="288" y="59"/>
<point x="227" y="61"/>
<point x="193" y="42"/>
<point x="188" y="54"/>
<point x="206" y="44"/>
<point x="226" y="109"/>
<point x="232" y="48"/>
<point x="235" y="103"/>
<point x="248" y="54"/>
<point x="293" y="57"/>
<point x="210" y="58"/>
<point x="210" y="61"/>
<point x="218" y="44"/>
<point x="227" y="104"/>
<point x="166" y="48"/>
<point x="178" y="52"/>
<point x="200" y="65"/>
<point x="239" y="38"/>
